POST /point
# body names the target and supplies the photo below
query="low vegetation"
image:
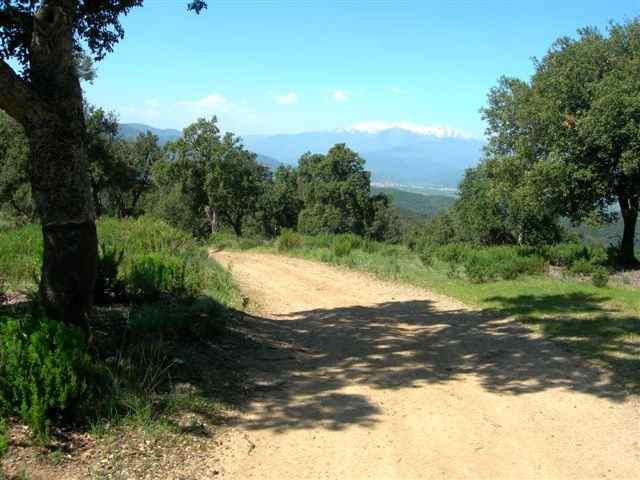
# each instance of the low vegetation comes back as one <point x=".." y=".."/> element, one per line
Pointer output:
<point x="160" y="298"/>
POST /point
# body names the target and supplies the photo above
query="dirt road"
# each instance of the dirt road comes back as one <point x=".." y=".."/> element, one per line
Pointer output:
<point x="384" y="381"/>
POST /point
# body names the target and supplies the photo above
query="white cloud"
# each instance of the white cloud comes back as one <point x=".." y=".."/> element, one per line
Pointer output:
<point x="286" y="99"/>
<point x="396" y="90"/>
<point x="440" y="131"/>
<point x="215" y="101"/>
<point x="340" y="95"/>
<point x="152" y="103"/>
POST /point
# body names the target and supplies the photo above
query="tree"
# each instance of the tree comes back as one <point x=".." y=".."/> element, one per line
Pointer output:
<point x="15" y="194"/>
<point x="576" y="126"/>
<point x="235" y="183"/>
<point x="381" y="220"/>
<point x="208" y="178"/>
<point x="44" y="96"/>
<point x="285" y="201"/>
<point x="335" y="190"/>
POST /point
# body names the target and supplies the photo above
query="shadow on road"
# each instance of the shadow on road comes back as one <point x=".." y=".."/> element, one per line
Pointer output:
<point x="399" y="345"/>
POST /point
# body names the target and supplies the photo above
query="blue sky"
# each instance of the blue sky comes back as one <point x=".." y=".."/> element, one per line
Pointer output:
<point x="290" y="66"/>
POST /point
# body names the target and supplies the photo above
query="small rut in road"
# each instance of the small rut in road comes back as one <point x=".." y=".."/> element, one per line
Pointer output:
<point x="387" y="381"/>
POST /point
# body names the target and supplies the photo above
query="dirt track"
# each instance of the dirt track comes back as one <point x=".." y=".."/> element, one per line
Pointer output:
<point x="377" y="380"/>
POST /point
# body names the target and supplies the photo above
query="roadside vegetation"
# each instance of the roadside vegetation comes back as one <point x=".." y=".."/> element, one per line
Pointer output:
<point x="148" y="373"/>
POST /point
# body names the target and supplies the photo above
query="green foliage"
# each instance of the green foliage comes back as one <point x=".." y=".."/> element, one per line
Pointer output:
<point x="21" y="255"/>
<point x="569" y="253"/>
<point x="335" y="190"/>
<point x="506" y="263"/>
<point x="108" y="284"/>
<point x="573" y="127"/>
<point x="208" y="179"/>
<point x="4" y="438"/>
<point x="382" y="222"/>
<point x="289" y="240"/>
<point x="581" y="266"/>
<point x="600" y="277"/>
<point x="427" y="205"/>
<point x="153" y="275"/>
<point x="45" y="371"/>
<point x="343" y="245"/>
<point x="15" y="192"/>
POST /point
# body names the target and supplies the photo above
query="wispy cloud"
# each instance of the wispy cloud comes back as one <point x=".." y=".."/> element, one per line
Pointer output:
<point x="209" y="104"/>
<point x="340" y="95"/>
<point x="287" y="99"/>
<point x="396" y="90"/>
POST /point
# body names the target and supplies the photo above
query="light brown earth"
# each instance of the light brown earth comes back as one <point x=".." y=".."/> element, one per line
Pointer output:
<point x="376" y="380"/>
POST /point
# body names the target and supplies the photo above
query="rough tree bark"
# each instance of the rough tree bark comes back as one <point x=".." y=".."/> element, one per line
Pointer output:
<point x="212" y="218"/>
<point x="51" y="111"/>
<point x="629" y="210"/>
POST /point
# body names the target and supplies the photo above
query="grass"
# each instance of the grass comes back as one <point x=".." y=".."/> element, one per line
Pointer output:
<point x="167" y="379"/>
<point x="601" y="323"/>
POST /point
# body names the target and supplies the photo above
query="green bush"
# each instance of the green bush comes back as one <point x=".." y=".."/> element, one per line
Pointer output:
<point x="480" y="268"/>
<point x="4" y="438"/>
<point x="600" y="277"/>
<point x="581" y="266"/>
<point x="288" y="240"/>
<point x="567" y="254"/>
<point x="248" y="243"/>
<point x="152" y="275"/>
<point x="108" y="285"/>
<point x="3" y="291"/>
<point x="344" y="244"/>
<point x="482" y="264"/>
<point x="45" y="371"/>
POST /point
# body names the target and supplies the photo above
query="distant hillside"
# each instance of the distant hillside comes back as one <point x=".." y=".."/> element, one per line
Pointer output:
<point x="131" y="131"/>
<point x="394" y="155"/>
<point x="426" y="205"/>
<point x="272" y="163"/>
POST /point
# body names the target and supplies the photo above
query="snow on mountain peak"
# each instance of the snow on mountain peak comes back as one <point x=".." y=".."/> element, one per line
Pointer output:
<point x="440" y="131"/>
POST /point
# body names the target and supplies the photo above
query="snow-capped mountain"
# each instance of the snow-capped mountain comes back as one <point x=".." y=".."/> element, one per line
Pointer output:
<point x="403" y="152"/>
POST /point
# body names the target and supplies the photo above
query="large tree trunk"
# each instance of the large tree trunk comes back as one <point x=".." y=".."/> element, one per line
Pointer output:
<point x="629" y="211"/>
<point x="59" y="170"/>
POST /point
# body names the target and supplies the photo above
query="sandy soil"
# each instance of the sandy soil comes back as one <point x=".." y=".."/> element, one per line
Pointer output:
<point x="367" y="379"/>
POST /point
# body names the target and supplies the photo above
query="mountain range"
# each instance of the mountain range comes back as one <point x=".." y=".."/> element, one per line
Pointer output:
<point x="400" y="154"/>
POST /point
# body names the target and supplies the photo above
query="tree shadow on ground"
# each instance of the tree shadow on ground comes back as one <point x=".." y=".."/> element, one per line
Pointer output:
<point x="399" y="345"/>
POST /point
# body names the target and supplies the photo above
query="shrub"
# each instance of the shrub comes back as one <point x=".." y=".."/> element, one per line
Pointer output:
<point x="344" y="244"/>
<point x="45" y="371"/>
<point x="288" y="240"/>
<point x="155" y="274"/>
<point x="3" y="291"/>
<point x="108" y="284"/>
<point x="567" y="254"/>
<point x="4" y="438"/>
<point x="600" y="277"/>
<point x="480" y="268"/>
<point x="426" y="256"/>
<point x="248" y="243"/>
<point x="581" y="266"/>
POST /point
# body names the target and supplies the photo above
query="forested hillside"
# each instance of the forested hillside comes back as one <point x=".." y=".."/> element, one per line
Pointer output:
<point x="427" y="205"/>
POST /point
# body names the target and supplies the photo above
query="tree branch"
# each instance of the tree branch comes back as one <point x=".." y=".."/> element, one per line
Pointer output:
<point x="16" y="96"/>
